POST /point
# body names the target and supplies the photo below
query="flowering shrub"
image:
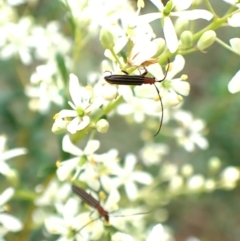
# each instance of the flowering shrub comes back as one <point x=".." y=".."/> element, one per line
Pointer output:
<point x="135" y="187"/>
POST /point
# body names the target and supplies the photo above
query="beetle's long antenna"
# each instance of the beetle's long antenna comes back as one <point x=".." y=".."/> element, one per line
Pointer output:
<point x="118" y="216"/>
<point x="160" y="126"/>
<point x="158" y="92"/>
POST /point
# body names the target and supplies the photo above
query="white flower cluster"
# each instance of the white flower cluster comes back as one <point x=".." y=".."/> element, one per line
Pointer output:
<point x="8" y="223"/>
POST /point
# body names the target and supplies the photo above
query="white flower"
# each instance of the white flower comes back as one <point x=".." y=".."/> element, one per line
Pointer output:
<point x="169" y="88"/>
<point x="53" y="193"/>
<point x="43" y="90"/>
<point x="229" y="177"/>
<point x="84" y="12"/>
<point x="108" y="169"/>
<point x="51" y="38"/>
<point x="144" y="50"/>
<point x="95" y="230"/>
<point x="80" y="162"/>
<point x="152" y="153"/>
<point x="172" y="87"/>
<point x="5" y="169"/>
<point x="190" y="132"/>
<point x="168" y="170"/>
<point x="168" y="28"/>
<point x="195" y="183"/>
<point x="81" y="106"/>
<point x="16" y="36"/>
<point x="69" y="220"/>
<point x="127" y="177"/>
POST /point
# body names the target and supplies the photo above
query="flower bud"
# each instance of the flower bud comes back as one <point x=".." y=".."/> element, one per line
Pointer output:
<point x="168" y="8"/>
<point x="109" y="92"/>
<point x="102" y="126"/>
<point x="186" y="39"/>
<point x="181" y="25"/>
<point x="214" y="164"/>
<point x="106" y="38"/>
<point x="206" y="40"/>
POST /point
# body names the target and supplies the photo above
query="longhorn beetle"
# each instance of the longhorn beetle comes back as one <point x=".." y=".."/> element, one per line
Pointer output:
<point x="138" y="80"/>
<point x="91" y="201"/>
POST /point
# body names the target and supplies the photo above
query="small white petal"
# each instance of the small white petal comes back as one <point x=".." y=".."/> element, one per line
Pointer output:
<point x="147" y="52"/>
<point x="235" y="44"/>
<point x="56" y="225"/>
<point x="234" y="84"/>
<point x="112" y="200"/>
<point x="70" y="209"/>
<point x="66" y="168"/>
<point x="89" y="176"/>
<point x="80" y="95"/>
<point x="120" y="44"/>
<point x="73" y="86"/>
<point x="126" y="92"/>
<point x="83" y="123"/>
<point x="177" y="66"/>
<point x="194" y="14"/>
<point x="182" y="5"/>
<point x="66" y="113"/>
<point x="107" y="183"/>
<point x="69" y="147"/>
<point x="91" y="147"/>
<point x="234" y="21"/>
<point x="13" y="153"/>
<point x="10" y="222"/>
<point x="73" y="125"/>
<point x="142" y="177"/>
<point x="6" y="195"/>
<point x="131" y="190"/>
<point x="182" y="87"/>
<point x="130" y="162"/>
<point x="147" y="18"/>
<point x="170" y="35"/>
<point x="4" y="168"/>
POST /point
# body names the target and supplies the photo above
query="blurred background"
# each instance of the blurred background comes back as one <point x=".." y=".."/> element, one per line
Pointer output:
<point x="209" y="216"/>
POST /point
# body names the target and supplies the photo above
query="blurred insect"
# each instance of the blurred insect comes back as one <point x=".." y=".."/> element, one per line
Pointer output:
<point x="91" y="201"/>
<point x="138" y="80"/>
